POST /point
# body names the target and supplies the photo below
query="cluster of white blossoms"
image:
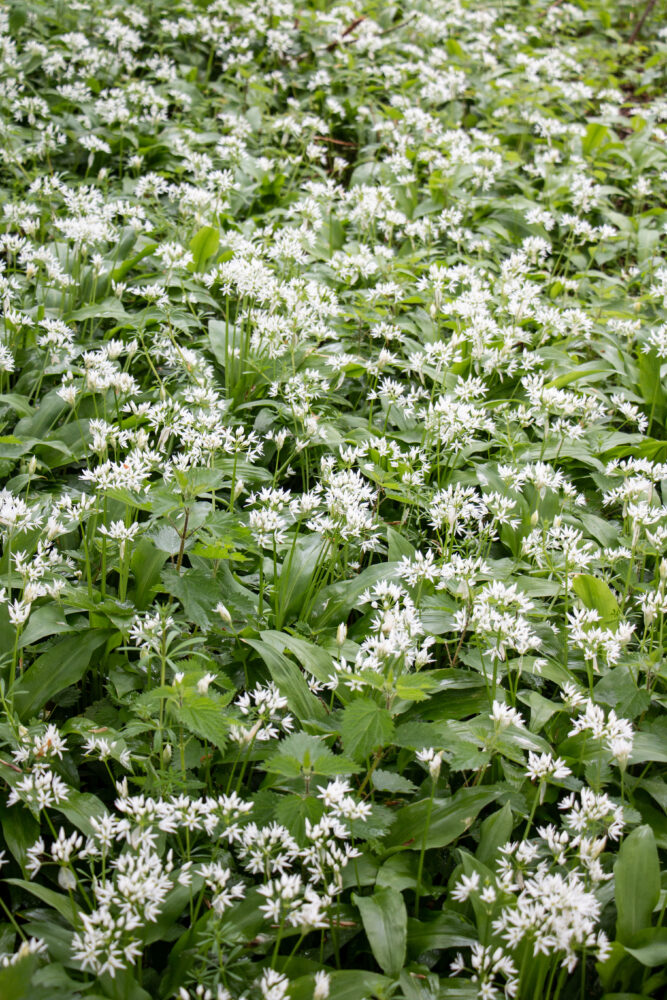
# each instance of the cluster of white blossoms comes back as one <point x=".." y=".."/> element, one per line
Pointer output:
<point x="543" y="892"/>
<point x="133" y="874"/>
<point x="331" y="389"/>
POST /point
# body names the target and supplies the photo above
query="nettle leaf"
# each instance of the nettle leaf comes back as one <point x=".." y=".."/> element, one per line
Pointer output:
<point x="385" y="921"/>
<point x="292" y="811"/>
<point x="197" y="591"/>
<point x="389" y="781"/>
<point x="301" y="755"/>
<point x="204" y="716"/>
<point x="365" y="727"/>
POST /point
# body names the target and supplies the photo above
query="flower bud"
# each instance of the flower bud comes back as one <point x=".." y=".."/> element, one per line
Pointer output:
<point x="224" y="613"/>
<point x="341" y="634"/>
<point x="66" y="879"/>
<point x="434" y="766"/>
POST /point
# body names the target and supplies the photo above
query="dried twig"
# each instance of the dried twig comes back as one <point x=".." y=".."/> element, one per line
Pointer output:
<point x="640" y="23"/>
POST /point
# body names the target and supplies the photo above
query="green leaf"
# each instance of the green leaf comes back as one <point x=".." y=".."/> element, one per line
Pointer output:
<point x="352" y="984"/>
<point x="62" y="665"/>
<point x="447" y="930"/>
<point x="450" y="818"/>
<point x="47" y="620"/>
<point x="59" y="901"/>
<point x="202" y="246"/>
<point x="597" y="596"/>
<point x="496" y="830"/>
<point x="398" y="546"/>
<point x="389" y="781"/>
<point x="636" y="882"/>
<point x="290" y="682"/>
<point x="365" y="727"/>
<point x="20" y="830"/>
<point x="80" y="808"/>
<point x="650" y="382"/>
<point x="398" y="872"/>
<point x="385" y="921"/>
<point x="293" y="811"/>
<point x="312" y="658"/>
<point x="15" y="979"/>
<point x="146" y="564"/>
<point x="197" y="591"/>
<point x="204" y="716"/>
<point x="650" y="947"/>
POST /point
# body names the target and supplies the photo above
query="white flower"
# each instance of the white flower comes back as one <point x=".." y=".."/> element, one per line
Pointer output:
<point x="322" y="985"/>
<point x="204" y="682"/>
<point x="466" y="885"/>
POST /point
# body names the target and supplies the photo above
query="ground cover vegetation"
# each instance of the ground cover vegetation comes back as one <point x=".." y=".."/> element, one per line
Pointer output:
<point x="334" y="500"/>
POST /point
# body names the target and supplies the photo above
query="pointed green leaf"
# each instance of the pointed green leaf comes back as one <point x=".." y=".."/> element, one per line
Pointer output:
<point x="636" y="882"/>
<point x="385" y="921"/>
<point x="202" y="246"/>
<point x="62" y="665"/>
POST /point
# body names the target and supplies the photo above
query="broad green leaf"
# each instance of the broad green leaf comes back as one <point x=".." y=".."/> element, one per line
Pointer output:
<point x="60" y="901"/>
<point x="447" y="930"/>
<point x="202" y="246"/>
<point x="496" y="830"/>
<point x="80" y="808"/>
<point x="289" y="680"/>
<point x="450" y="818"/>
<point x="385" y="921"/>
<point x="650" y="947"/>
<point x="15" y="979"/>
<point x="398" y="872"/>
<point x="636" y="883"/>
<point x="597" y="596"/>
<point x="63" y="664"/>
<point x="365" y="727"/>
<point x="47" y="620"/>
<point x="357" y="984"/>
<point x="146" y="564"/>
<point x="312" y="658"/>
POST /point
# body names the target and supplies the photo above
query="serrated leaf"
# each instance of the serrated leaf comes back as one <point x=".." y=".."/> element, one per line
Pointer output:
<point x="204" y="716"/>
<point x="389" y="781"/>
<point x="365" y="727"/>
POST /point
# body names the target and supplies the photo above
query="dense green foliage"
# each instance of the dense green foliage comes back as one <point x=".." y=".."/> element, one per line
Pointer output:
<point x="334" y="506"/>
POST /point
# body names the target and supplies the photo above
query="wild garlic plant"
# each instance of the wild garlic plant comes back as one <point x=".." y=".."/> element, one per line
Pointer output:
<point x="333" y="512"/>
